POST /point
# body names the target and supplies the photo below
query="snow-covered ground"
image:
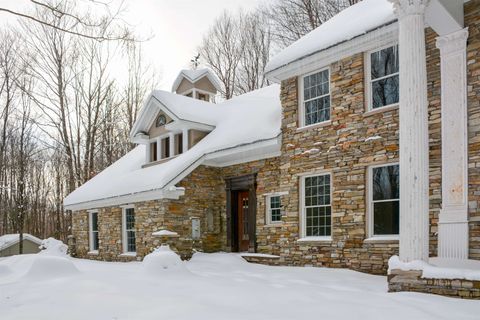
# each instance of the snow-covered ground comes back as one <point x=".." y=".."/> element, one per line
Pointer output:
<point x="210" y="286"/>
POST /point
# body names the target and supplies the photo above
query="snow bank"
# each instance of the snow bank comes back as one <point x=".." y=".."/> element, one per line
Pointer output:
<point x="50" y="267"/>
<point x="162" y="259"/>
<point x="436" y="272"/>
<point x="53" y="247"/>
<point x="5" y="270"/>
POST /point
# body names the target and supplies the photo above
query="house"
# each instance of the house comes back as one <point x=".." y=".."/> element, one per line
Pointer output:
<point x="368" y="148"/>
<point x="9" y="244"/>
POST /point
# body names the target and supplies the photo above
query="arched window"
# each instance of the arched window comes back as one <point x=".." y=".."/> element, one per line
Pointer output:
<point x="161" y="120"/>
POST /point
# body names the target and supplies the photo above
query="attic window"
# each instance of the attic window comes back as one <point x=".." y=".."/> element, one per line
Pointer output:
<point x="161" y="120"/>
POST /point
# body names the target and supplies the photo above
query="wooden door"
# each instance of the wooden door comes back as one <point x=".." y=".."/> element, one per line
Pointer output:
<point x="243" y="221"/>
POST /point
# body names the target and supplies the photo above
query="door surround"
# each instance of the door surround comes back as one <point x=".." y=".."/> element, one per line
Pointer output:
<point x="233" y="185"/>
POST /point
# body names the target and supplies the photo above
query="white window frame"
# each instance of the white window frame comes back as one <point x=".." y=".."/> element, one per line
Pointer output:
<point x="90" y="232"/>
<point x="268" y="209"/>
<point x="301" y="104"/>
<point x="124" y="231"/>
<point x="303" y="227"/>
<point x="368" y="79"/>
<point x="370" y="216"/>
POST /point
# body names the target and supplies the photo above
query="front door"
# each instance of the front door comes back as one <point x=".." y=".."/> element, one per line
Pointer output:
<point x="243" y="238"/>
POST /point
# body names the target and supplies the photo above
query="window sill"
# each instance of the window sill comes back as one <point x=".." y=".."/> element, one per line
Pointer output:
<point x="128" y="254"/>
<point x="382" y="239"/>
<point x="381" y="109"/>
<point x="93" y="252"/>
<point x="315" y="126"/>
<point x="315" y="239"/>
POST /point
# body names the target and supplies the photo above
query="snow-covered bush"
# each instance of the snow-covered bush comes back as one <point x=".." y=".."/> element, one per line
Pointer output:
<point x="53" y="247"/>
<point x="162" y="259"/>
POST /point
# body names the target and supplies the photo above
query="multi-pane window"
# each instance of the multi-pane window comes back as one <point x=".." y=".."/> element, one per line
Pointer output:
<point x="317" y="208"/>
<point x="384" y="77"/>
<point x="385" y="195"/>
<point x="274" y="213"/>
<point x="129" y="230"/>
<point x="94" y="231"/>
<point x="316" y="97"/>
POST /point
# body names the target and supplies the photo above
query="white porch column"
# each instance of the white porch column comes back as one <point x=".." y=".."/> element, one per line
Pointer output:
<point x="184" y="140"/>
<point x="159" y="148"/>
<point x="453" y="218"/>
<point x="414" y="202"/>
<point x="147" y="152"/>
<point x="171" y="141"/>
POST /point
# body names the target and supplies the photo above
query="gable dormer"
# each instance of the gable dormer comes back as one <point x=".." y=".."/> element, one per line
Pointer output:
<point x="201" y="84"/>
<point x="170" y="124"/>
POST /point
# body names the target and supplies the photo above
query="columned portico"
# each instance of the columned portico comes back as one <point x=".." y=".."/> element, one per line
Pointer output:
<point x="414" y="151"/>
<point x="453" y="218"/>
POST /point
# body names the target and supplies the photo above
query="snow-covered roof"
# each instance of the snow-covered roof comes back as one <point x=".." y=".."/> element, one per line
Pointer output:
<point x="249" y="119"/>
<point x="177" y="107"/>
<point x="354" y="21"/>
<point x="9" y="240"/>
<point x="195" y="75"/>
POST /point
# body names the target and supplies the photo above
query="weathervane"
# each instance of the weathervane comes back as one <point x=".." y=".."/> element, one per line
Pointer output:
<point x="195" y="61"/>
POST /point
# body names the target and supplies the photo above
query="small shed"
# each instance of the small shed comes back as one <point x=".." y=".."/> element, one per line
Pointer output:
<point x="9" y="244"/>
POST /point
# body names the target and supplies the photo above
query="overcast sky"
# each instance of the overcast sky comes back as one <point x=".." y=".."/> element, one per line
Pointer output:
<point x="177" y="26"/>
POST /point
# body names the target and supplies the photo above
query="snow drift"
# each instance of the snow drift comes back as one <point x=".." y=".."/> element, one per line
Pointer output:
<point x="53" y="247"/>
<point x="50" y="267"/>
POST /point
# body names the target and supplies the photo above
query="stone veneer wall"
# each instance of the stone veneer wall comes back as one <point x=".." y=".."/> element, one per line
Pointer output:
<point x="345" y="153"/>
<point x="204" y="195"/>
<point x="472" y="21"/>
<point x="399" y="280"/>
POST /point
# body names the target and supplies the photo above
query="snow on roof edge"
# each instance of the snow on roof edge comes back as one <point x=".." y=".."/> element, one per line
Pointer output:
<point x="199" y="160"/>
<point x="8" y="240"/>
<point x="354" y="21"/>
<point x="268" y="72"/>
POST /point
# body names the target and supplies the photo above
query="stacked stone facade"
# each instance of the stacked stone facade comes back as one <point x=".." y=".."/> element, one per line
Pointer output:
<point x="342" y="147"/>
<point x="472" y="21"/>
<point x="205" y="198"/>
<point x="413" y="280"/>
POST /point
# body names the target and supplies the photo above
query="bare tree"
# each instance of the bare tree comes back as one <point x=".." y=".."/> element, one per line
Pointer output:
<point x="64" y="117"/>
<point x="222" y="49"/>
<point x="256" y="43"/>
<point x="292" y="19"/>
<point x="79" y="24"/>
<point x="9" y="75"/>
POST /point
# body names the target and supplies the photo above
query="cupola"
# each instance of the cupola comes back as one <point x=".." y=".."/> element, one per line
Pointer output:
<point x="201" y="84"/>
